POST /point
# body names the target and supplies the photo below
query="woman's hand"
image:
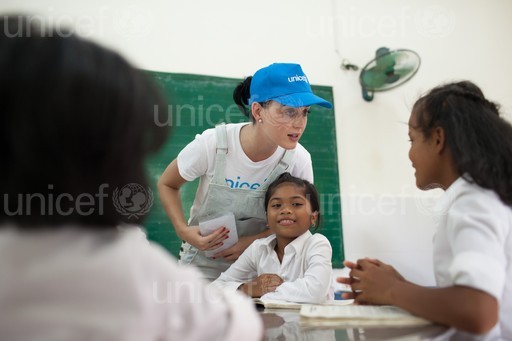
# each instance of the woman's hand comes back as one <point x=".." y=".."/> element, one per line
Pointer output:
<point x="261" y="285"/>
<point x="210" y="242"/>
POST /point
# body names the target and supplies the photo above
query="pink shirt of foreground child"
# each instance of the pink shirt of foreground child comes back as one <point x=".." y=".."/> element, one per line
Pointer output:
<point x="458" y="143"/>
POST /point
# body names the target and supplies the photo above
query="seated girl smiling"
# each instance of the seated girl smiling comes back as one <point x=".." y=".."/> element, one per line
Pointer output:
<point x="292" y="264"/>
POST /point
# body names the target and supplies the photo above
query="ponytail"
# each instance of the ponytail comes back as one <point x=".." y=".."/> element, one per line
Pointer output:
<point x="241" y="96"/>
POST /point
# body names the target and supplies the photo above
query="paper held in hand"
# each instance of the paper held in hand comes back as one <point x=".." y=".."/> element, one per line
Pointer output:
<point x="209" y="226"/>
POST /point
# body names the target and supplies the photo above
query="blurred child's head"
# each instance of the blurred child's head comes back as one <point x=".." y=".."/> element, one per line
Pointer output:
<point x="76" y="123"/>
<point x="292" y="206"/>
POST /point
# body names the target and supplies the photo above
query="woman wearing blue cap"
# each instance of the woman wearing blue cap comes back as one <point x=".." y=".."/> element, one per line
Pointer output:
<point x="236" y="162"/>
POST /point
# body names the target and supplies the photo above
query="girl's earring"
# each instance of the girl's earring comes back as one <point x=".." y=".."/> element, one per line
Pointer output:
<point x="260" y="120"/>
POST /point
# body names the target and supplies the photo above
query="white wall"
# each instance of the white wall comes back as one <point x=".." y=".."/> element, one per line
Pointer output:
<point x="383" y="214"/>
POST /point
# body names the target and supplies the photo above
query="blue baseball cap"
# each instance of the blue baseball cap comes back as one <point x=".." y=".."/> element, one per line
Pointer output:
<point x="284" y="83"/>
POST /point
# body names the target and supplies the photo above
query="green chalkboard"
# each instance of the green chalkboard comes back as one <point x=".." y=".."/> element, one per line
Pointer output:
<point x="199" y="102"/>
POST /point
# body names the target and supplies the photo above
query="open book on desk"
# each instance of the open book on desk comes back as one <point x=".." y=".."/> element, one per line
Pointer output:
<point x="357" y="315"/>
<point x="278" y="304"/>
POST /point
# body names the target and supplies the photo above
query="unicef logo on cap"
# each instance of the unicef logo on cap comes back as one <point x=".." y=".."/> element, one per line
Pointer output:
<point x="298" y="78"/>
<point x="132" y="200"/>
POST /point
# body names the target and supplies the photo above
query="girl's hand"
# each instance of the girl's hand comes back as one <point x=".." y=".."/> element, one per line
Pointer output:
<point x="372" y="281"/>
<point x="351" y="280"/>
<point x="232" y="253"/>
<point x="347" y="281"/>
<point x="210" y="242"/>
<point x="261" y="285"/>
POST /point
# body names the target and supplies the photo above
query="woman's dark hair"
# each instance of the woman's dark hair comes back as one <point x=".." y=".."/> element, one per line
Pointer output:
<point x="310" y="191"/>
<point x="480" y="141"/>
<point x="76" y="125"/>
<point x="241" y="96"/>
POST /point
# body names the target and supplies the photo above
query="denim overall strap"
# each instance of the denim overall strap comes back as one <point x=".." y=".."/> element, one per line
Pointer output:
<point x="280" y="168"/>
<point x="219" y="176"/>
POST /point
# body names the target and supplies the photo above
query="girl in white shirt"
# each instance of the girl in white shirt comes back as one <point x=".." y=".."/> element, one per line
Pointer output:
<point x="459" y="143"/>
<point x="291" y="264"/>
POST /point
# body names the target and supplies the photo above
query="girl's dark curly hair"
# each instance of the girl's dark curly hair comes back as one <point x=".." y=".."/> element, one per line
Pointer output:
<point x="480" y="141"/>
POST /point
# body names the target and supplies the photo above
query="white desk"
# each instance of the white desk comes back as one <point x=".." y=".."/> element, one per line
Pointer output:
<point x="281" y="324"/>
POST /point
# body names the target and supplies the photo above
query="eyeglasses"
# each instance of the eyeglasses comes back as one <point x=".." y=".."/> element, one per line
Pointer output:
<point x="287" y="114"/>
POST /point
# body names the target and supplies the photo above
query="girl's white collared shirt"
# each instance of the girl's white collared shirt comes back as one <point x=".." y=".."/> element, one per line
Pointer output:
<point x="473" y="246"/>
<point x="306" y="269"/>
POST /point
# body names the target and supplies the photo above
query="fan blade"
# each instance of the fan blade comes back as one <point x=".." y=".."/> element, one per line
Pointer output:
<point x="373" y="79"/>
<point x="385" y="63"/>
<point x="388" y="70"/>
<point x="404" y="71"/>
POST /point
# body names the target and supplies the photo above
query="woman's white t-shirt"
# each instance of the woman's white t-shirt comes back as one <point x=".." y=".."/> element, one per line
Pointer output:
<point x="197" y="159"/>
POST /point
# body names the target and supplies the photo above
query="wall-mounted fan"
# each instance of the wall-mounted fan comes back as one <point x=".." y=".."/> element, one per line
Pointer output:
<point x="388" y="70"/>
